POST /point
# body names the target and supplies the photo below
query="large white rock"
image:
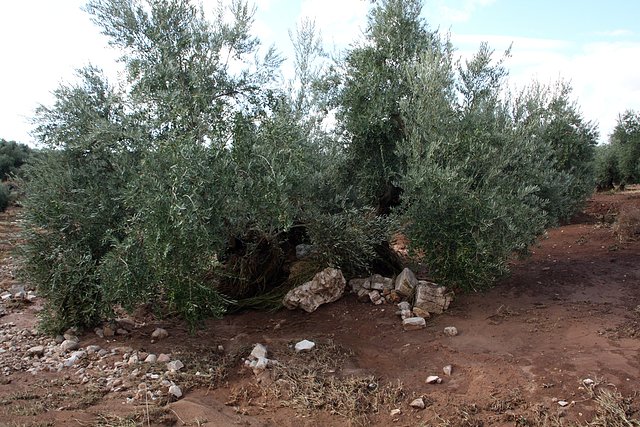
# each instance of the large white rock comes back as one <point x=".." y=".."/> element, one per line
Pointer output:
<point x="326" y="286"/>
<point x="406" y="283"/>
<point x="432" y="297"/>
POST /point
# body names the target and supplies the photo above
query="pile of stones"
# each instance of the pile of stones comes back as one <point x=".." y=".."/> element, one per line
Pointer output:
<point x="416" y="299"/>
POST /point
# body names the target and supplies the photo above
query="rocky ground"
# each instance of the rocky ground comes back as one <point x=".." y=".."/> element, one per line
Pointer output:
<point x="556" y="343"/>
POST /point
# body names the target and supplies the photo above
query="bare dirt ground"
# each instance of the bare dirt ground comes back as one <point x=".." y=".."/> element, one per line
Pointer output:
<point x="569" y="313"/>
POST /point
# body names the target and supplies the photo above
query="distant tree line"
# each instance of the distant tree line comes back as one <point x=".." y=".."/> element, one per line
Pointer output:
<point x="189" y="186"/>
<point x="618" y="162"/>
<point x="12" y="156"/>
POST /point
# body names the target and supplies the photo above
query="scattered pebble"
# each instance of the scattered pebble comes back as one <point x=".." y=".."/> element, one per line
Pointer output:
<point x="174" y="390"/>
<point x="163" y="358"/>
<point x="304" y="345"/>
<point x="447" y="370"/>
<point x="414" y="323"/>
<point x="159" y="334"/>
<point x="451" y="331"/>
<point x="433" y="379"/>
<point x="258" y="351"/>
<point x="417" y="403"/>
<point x="175" y="365"/>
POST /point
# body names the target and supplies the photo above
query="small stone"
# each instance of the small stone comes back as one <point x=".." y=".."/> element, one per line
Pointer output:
<point x="451" y="331"/>
<point x="588" y="382"/>
<point x="374" y="296"/>
<point x="175" y="365"/>
<point x="404" y="305"/>
<point x="406" y="314"/>
<point x="359" y="284"/>
<point x="259" y="365"/>
<point x="92" y="349"/>
<point x="414" y="323"/>
<point x="258" y="351"/>
<point x="31" y="296"/>
<point x="380" y="283"/>
<point x="71" y="336"/>
<point x="37" y="351"/>
<point x="304" y="345"/>
<point x="152" y="358"/>
<point x="5" y="296"/>
<point x="99" y="332"/>
<point x="396" y="412"/>
<point x="175" y="391"/>
<point x="563" y="403"/>
<point x="159" y="334"/>
<point x="393" y="297"/>
<point x="68" y="345"/>
<point x="126" y="323"/>
<point x="421" y="312"/>
<point x="163" y="358"/>
<point x="433" y="379"/>
<point x="447" y="370"/>
<point x="406" y="283"/>
<point x="122" y="331"/>
<point x="108" y="331"/>
<point x="220" y="348"/>
<point x="417" y="403"/>
<point x="363" y="295"/>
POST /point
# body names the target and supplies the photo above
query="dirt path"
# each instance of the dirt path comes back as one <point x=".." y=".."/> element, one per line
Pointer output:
<point x="569" y="313"/>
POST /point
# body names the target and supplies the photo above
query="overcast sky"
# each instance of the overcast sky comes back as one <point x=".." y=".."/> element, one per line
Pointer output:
<point x="595" y="44"/>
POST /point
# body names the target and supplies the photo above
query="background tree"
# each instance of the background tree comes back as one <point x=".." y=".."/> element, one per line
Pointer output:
<point x="369" y="99"/>
<point x="12" y="156"/>
<point x="626" y="137"/>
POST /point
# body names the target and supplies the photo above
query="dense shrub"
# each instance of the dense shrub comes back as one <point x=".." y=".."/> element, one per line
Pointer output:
<point x="606" y="167"/>
<point x="471" y="193"/>
<point x="626" y="140"/>
<point x="12" y="156"/>
<point x="4" y="197"/>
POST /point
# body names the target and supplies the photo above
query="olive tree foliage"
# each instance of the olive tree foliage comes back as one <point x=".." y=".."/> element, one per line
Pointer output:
<point x="372" y="86"/>
<point x="626" y="139"/>
<point x="144" y="187"/>
<point x="75" y="200"/>
<point x="12" y="156"/>
<point x="470" y="191"/>
<point x="181" y="188"/>
<point x="547" y="114"/>
<point x="618" y="162"/>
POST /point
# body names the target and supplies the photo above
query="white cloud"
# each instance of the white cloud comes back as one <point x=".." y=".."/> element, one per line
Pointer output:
<point x="456" y="11"/>
<point x="616" y="33"/>
<point x="341" y="21"/>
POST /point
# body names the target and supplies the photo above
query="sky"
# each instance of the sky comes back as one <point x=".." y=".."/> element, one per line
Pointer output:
<point x="593" y="44"/>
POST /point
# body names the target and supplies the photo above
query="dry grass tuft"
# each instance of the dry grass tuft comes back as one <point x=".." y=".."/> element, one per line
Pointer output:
<point x="152" y="417"/>
<point x="627" y="225"/>
<point x="615" y="411"/>
<point x="309" y="382"/>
